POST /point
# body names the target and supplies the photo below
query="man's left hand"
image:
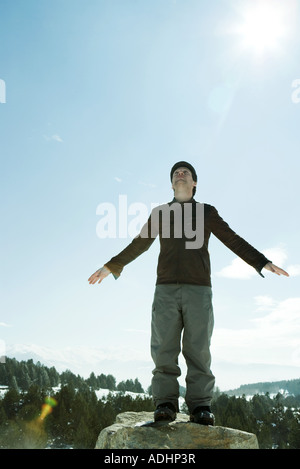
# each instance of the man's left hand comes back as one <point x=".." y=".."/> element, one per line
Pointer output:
<point x="277" y="270"/>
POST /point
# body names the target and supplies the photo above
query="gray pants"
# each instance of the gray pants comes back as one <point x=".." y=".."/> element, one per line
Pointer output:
<point x="177" y="308"/>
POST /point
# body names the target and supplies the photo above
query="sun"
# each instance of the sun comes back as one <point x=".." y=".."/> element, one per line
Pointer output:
<point x="263" y="26"/>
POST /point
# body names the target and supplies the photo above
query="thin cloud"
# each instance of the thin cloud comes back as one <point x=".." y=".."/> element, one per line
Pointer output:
<point x="273" y="339"/>
<point x="241" y="270"/>
<point x="147" y="184"/>
<point x="293" y="270"/>
<point x="54" y="137"/>
<point x="4" y="324"/>
<point x="117" y="179"/>
<point x="277" y="254"/>
<point x="57" y="138"/>
<point x="264" y="302"/>
<point x="237" y="269"/>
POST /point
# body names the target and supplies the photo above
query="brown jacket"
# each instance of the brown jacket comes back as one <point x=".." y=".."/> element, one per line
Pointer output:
<point x="176" y="264"/>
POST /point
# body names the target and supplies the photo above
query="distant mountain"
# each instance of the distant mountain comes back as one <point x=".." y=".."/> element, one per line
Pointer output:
<point x="284" y="387"/>
<point x="85" y="360"/>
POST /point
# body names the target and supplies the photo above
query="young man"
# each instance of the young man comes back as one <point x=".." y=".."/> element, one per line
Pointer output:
<point x="183" y="294"/>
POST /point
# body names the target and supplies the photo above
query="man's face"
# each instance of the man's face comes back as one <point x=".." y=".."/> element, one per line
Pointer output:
<point x="183" y="177"/>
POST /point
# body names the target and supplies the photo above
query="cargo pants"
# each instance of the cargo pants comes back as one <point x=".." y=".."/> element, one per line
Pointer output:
<point x="182" y="311"/>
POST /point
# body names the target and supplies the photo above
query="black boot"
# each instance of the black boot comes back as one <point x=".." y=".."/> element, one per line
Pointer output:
<point x="165" y="412"/>
<point x="203" y="416"/>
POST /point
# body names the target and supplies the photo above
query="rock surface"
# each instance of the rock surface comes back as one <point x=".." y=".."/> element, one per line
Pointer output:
<point x="132" y="430"/>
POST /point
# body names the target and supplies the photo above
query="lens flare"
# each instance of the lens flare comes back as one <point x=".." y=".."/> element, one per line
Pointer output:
<point x="47" y="408"/>
<point x="35" y="434"/>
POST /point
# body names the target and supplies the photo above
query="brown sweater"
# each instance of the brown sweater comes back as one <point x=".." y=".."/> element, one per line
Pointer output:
<point x="176" y="263"/>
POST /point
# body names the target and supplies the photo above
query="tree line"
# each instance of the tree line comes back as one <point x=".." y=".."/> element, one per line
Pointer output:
<point x="292" y="386"/>
<point x="75" y="420"/>
<point x="76" y="415"/>
<point x="79" y="416"/>
<point x="22" y="375"/>
<point x="275" y="421"/>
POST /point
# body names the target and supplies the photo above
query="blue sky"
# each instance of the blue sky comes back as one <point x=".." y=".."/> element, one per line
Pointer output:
<point x="102" y="98"/>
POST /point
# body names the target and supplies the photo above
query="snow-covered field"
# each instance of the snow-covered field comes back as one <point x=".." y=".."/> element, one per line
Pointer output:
<point x="3" y="390"/>
<point x="100" y="393"/>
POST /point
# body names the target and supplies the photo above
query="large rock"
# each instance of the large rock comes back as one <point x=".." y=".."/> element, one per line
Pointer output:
<point x="132" y="430"/>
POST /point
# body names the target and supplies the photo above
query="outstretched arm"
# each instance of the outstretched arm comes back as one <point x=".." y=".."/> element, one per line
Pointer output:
<point x="277" y="270"/>
<point x="139" y="244"/>
<point x="99" y="275"/>
<point x="239" y="246"/>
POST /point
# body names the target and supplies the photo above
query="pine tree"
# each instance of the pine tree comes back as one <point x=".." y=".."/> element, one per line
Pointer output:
<point x="102" y="382"/>
<point x="13" y="383"/>
<point x="43" y="378"/>
<point x="83" y="439"/>
<point x="121" y="386"/>
<point x="11" y="403"/>
<point x="92" y="381"/>
<point x="54" y="377"/>
<point x="294" y="437"/>
<point x="111" y="382"/>
<point x="138" y="386"/>
<point x="3" y="416"/>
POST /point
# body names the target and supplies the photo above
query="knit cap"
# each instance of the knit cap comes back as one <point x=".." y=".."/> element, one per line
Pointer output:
<point x="184" y="164"/>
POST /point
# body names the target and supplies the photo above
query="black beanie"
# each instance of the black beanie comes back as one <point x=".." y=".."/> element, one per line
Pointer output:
<point x="184" y="164"/>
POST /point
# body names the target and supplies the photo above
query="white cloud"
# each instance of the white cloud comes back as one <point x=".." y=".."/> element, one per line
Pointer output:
<point x="293" y="270"/>
<point x="117" y="179"/>
<point x="4" y="324"/>
<point x="237" y="269"/>
<point x="54" y="137"/>
<point x="277" y="254"/>
<point x="264" y="302"/>
<point x="57" y="138"/>
<point x="273" y="339"/>
<point x="241" y="270"/>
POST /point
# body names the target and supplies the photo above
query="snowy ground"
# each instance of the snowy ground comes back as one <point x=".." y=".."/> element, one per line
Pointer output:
<point x="104" y="392"/>
<point x="3" y="390"/>
<point x="100" y="393"/>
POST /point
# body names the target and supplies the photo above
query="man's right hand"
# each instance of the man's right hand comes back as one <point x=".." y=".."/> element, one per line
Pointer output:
<point x="99" y="275"/>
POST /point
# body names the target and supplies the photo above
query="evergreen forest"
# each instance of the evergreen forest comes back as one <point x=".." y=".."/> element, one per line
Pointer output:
<point x="41" y="408"/>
